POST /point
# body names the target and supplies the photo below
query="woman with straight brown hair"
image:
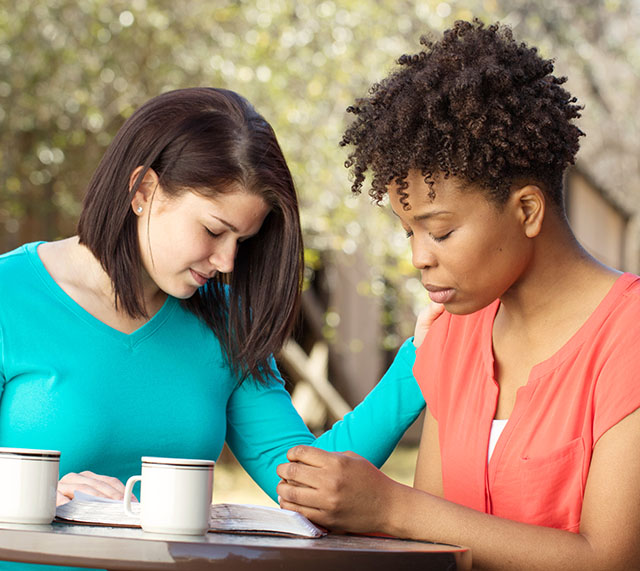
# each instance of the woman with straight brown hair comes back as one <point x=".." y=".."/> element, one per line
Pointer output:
<point x="152" y="331"/>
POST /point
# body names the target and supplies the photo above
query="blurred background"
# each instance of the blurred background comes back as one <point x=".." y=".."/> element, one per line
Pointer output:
<point x="71" y="71"/>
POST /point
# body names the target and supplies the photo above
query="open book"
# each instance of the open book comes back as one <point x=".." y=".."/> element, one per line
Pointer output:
<point x="224" y="517"/>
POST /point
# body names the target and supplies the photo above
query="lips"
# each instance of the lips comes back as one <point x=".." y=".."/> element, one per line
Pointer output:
<point x="201" y="279"/>
<point x="439" y="294"/>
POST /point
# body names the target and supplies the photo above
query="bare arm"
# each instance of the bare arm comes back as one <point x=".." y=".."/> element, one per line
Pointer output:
<point x="428" y="477"/>
<point x="343" y="491"/>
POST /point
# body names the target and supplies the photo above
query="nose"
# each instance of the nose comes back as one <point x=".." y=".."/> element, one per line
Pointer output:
<point x="422" y="257"/>
<point x="224" y="255"/>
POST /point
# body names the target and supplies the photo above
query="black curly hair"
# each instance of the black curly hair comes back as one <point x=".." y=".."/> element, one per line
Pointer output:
<point x="476" y="105"/>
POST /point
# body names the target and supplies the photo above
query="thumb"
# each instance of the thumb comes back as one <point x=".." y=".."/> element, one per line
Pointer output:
<point x="425" y="320"/>
<point x="61" y="499"/>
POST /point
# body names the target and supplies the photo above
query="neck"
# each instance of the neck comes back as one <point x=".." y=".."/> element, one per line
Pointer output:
<point x="152" y="296"/>
<point x="89" y="267"/>
<point x="97" y="279"/>
<point x="561" y="281"/>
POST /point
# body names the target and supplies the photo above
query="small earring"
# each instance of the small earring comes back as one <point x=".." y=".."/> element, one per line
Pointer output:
<point x="139" y="209"/>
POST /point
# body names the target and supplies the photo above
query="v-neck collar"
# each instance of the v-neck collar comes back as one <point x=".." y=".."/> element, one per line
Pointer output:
<point x="538" y="371"/>
<point x="594" y="321"/>
<point x="131" y="339"/>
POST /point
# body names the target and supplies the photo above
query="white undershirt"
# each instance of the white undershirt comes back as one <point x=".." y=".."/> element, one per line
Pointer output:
<point x="497" y="426"/>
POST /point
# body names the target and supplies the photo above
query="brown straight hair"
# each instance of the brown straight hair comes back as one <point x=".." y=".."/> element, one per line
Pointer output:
<point x="209" y="141"/>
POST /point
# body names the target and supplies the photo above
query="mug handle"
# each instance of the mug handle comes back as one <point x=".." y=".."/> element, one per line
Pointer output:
<point x="128" y="491"/>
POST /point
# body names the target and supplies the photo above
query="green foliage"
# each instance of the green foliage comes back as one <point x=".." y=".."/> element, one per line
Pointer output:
<point x="72" y="70"/>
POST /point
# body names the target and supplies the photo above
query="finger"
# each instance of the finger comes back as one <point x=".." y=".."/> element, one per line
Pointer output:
<point x="300" y="495"/>
<point x="68" y="486"/>
<point x="70" y="490"/>
<point x="61" y="499"/>
<point x="300" y="474"/>
<point x="425" y="320"/>
<point x="435" y="310"/>
<point x="317" y="516"/>
<point x="107" y="486"/>
<point x="428" y="315"/>
<point x="310" y="455"/>
<point x="109" y="480"/>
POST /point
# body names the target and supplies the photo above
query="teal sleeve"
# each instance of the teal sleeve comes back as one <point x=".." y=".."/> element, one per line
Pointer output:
<point x="262" y="423"/>
<point x="2" y="377"/>
<point x="375" y="426"/>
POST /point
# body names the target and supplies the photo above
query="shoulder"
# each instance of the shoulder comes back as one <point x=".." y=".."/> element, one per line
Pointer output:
<point x="19" y="254"/>
<point x="618" y="336"/>
<point x="629" y="291"/>
<point x="613" y="357"/>
<point x="621" y="323"/>
<point x="22" y="279"/>
<point x="17" y="261"/>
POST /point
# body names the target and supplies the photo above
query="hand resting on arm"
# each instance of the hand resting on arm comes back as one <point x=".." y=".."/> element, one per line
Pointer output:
<point x="425" y="320"/>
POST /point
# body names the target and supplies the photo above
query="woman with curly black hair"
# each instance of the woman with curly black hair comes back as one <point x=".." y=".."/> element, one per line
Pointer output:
<point x="530" y="453"/>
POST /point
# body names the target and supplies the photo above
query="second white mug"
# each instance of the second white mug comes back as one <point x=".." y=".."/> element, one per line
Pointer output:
<point x="175" y="495"/>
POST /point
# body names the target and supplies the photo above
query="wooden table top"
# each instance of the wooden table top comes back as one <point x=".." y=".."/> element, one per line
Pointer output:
<point x="133" y="549"/>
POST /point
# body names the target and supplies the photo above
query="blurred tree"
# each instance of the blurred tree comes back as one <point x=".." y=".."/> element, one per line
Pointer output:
<point x="71" y="71"/>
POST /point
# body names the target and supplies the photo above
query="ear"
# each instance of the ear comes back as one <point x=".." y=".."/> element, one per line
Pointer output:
<point x="145" y="191"/>
<point x="531" y="206"/>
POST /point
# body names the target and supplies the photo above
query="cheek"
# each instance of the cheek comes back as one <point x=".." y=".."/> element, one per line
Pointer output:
<point x="169" y="246"/>
<point x="484" y="257"/>
<point x="507" y="258"/>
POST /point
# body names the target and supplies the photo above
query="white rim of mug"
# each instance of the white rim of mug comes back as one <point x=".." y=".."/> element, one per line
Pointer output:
<point x="29" y="453"/>
<point x="153" y="461"/>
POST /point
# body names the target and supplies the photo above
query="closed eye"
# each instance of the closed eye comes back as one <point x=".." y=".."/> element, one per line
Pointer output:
<point x="212" y="234"/>
<point x="441" y="238"/>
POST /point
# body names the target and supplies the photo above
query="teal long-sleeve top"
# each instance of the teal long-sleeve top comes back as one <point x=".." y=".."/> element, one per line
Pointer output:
<point x="103" y="398"/>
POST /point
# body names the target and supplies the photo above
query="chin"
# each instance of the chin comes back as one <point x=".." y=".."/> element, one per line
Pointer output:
<point x="187" y="295"/>
<point x="462" y="308"/>
<point x="182" y="293"/>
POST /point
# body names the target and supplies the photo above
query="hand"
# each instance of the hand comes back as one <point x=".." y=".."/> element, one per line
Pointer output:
<point x="90" y="483"/>
<point x="338" y="490"/>
<point x="426" y="318"/>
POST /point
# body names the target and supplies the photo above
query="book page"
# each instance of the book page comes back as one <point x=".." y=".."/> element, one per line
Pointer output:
<point x="224" y="517"/>
<point x="247" y="517"/>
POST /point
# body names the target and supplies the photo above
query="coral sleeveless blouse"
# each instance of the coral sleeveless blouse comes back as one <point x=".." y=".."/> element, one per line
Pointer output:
<point x="538" y="470"/>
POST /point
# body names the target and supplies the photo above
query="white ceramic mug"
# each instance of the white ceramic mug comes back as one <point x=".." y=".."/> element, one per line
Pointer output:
<point x="175" y="495"/>
<point x="28" y="484"/>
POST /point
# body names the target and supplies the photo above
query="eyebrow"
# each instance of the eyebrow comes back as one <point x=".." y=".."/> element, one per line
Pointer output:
<point x="233" y="228"/>
<point x="227" y="224"/>
<point x="427" y="215"/>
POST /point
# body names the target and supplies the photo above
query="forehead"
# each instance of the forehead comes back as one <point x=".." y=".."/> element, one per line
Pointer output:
<point x="231" y="197"/>
<point x="239" y="205"/>
<point x="423" y="193"/>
